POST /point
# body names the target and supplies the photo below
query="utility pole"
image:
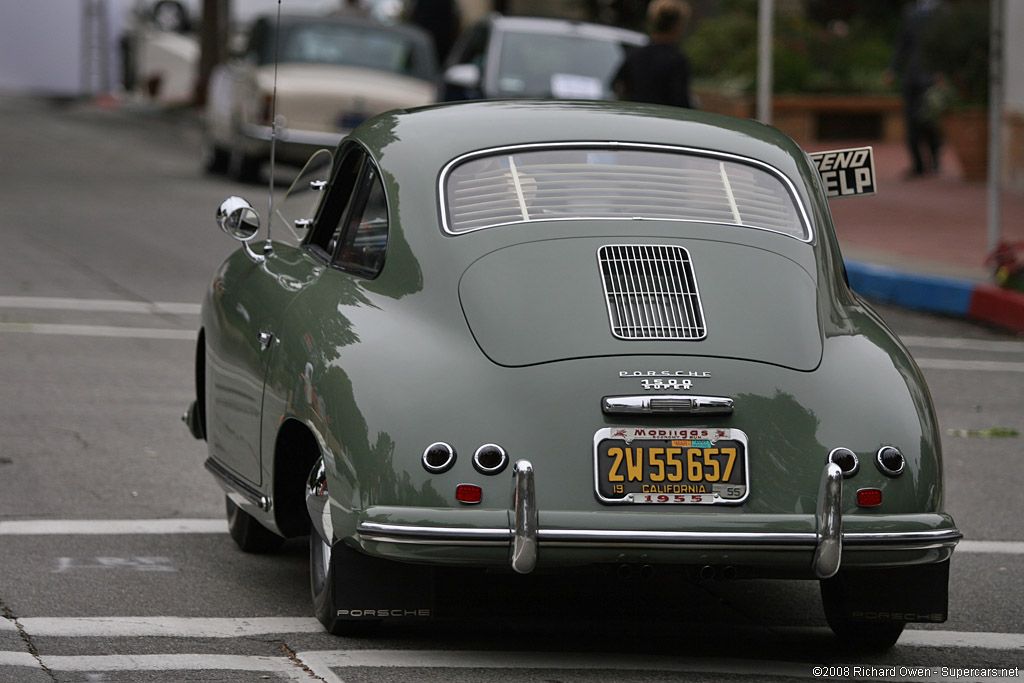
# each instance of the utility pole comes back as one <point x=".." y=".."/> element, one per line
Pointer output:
<point x="213" y="44"/>
<point x="765" y="31"/>
<point x="995" y="122"/>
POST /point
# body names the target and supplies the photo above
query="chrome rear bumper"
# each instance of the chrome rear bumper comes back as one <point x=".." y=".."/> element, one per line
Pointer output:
<point x="525" y="538"/>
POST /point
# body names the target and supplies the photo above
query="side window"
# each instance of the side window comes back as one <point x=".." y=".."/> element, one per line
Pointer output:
<point x="324" y="238"/>
<point x="364" y="240"/>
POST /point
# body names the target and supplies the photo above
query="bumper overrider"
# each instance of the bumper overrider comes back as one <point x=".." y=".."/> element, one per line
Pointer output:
<point x="293" y="145"/>
<point x="816" y="547"/>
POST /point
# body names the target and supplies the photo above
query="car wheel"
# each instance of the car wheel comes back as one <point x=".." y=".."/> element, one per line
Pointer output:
<point x="859" y="635"/>
<point x="169" y="15"/>
<point x="215" y="158"/>
<point x="248" y="534"/>
<point x="243" y="167"/>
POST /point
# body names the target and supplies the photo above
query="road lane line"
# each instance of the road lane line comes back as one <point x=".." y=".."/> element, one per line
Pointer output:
<point x="971" y="365"/>
<point x="175" y="662"/>
<point x="961" y="344"/>
<point x="175" y="627"/>
<point x="591" y="661"/>
<point x="86" y="527"/>
<point x="962" y="639"/>
<point x="998" y="547"/>
<point x="99" y="331"/>
<point x="224" y="627"/>
<point x="18" y="659"/>
<point x="42" y="303"/>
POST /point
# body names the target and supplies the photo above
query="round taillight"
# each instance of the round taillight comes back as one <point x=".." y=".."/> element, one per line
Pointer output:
<point x="890" y="461"/>
<point x="490" y="459"/>
<point x="846" y="460"/>
<point x="438" y="457"/>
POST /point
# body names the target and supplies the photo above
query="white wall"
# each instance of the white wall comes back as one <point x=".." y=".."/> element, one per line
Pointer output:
<point x="41" y="46"/>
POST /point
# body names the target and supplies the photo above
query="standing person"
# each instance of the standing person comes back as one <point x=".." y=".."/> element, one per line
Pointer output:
<point x="439" y="18"/>
<point x="659" y="72"/>
<point x="916" y="76"/>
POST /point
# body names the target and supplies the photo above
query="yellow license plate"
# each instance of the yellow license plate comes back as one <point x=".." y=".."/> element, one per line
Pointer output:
<point x="691" y="466"/>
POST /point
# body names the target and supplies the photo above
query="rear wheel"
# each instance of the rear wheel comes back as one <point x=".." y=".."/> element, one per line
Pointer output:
<point x="248" y="534"/>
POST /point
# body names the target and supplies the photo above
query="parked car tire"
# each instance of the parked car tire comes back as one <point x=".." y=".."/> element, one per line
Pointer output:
<point x="215" y="159"/>
<point x="248" y="534"/>
<point x="859" y="635"/>
<point x="243" y="167"/>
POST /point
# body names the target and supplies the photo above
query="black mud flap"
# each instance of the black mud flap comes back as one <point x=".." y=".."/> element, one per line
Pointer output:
<point x="917" y="593"/>
<point x="371" y="589"/>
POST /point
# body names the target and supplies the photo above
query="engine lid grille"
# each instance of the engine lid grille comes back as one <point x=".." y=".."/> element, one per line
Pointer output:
<point x="651" y="292"/>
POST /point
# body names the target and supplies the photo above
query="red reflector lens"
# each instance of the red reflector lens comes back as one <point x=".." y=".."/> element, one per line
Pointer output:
<point x="469" y="493"/>
<point x="869" y="497"/>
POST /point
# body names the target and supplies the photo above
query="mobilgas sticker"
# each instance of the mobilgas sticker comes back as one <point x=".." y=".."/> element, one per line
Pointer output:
<point x="846" y="172"/>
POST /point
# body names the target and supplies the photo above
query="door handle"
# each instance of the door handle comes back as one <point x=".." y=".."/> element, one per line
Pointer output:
<point x="265" y="339"/>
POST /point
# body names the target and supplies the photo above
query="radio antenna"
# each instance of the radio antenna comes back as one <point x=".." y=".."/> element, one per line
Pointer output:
<point x="268" y="248"/>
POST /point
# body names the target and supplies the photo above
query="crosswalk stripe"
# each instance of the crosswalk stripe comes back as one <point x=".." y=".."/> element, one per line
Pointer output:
<point x="99" y="331"/>
<point x="100" y="527"/>
<point x="42" y="303"/>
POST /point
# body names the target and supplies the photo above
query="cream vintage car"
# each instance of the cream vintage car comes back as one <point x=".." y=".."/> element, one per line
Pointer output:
<point x="333" y="73"/>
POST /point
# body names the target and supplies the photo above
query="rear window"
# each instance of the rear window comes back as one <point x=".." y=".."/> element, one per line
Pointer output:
<point x="555" y="65"/>
<point x="505" y="187"/>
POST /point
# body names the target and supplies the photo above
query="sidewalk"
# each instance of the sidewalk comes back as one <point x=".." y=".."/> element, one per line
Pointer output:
<point x="922" y="242"/>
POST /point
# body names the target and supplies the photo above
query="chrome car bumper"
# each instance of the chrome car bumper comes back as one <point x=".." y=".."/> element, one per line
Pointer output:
<point x="827" y="546"/>
<point x="293" y="145"/>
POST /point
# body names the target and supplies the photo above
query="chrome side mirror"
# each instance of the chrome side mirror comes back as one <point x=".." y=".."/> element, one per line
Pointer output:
<point x="236" y="217"/>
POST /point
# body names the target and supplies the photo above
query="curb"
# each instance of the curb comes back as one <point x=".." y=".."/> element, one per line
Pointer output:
<point x="936" y="294"/>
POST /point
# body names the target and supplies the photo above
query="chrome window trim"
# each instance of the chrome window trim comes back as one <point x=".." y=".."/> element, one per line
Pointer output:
<point x="722" y="156"/>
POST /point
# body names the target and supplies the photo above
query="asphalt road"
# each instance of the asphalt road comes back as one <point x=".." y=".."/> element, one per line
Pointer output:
<point x="114" y="561"/>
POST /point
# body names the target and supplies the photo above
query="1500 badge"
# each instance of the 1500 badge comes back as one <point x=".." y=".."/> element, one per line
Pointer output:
<point x="664" y="380"/>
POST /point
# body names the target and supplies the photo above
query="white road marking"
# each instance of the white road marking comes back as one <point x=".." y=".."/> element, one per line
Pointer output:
<point x="319" y="663"/>
<point x="759" y="669"/>
<point x="99" y="331"/>
<point x="964" y="639"/>
<point x="960" y="344"/>
<point x="86" y="527"/>
<point x="177" y="627"/>
<point x="998" y="547"/>
<point x="217" y="627"/>
<point x="187" y="662"/>
<point x="970" y="365"/>
<point x="18" y="659"/>
<point x="41" y="303"/>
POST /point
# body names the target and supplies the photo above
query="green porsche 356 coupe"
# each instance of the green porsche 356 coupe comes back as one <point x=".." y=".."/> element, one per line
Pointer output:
<point x="569" y="337"/>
